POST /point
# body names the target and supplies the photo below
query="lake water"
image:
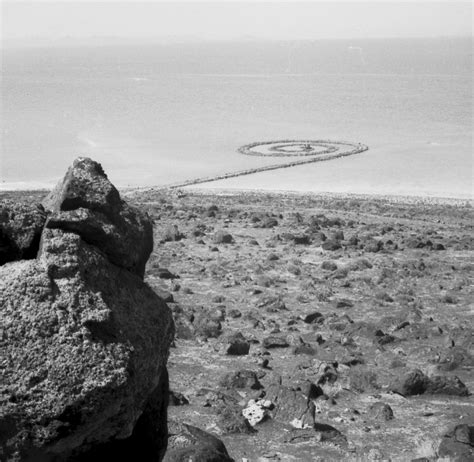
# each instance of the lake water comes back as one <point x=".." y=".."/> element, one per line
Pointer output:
<point x="157" y="114"/>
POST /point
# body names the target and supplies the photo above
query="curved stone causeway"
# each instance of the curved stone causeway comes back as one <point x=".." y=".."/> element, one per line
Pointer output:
<point x="304" y="152"/>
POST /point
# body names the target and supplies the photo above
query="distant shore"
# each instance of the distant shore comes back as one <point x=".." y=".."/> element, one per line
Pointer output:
<point x="388" y="198"/>
<point x="402" y="199"/>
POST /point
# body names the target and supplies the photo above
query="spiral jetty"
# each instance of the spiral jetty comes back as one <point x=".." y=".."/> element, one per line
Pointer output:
<point x="308" y="151"/>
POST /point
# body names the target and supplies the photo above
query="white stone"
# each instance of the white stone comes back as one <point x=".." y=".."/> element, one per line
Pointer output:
<point x="254" y="414"/>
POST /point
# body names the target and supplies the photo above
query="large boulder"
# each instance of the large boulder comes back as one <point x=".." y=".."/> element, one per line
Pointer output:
<point x="84" y="341"/>
<point x="21" y="225"/>
<point x="85" y="202"/>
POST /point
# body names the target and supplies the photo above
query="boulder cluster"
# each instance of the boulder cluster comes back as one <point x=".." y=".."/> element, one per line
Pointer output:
<point x="83" y="340"/>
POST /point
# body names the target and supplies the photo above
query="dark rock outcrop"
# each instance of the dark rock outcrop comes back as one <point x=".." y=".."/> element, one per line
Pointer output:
<point x="20" y="230"/>
<point x="417" y="383"/>
<point x="412" y="383"/>
<point x="191" y="443"/>
<point x="84" y="340"/>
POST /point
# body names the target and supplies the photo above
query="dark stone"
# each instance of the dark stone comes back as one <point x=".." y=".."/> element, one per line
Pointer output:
<point x="328" y="265"/>
<point x="235" y="313"/>
<point x="320" y="432"/>
<point x="446" y="385"/>
<point x="221" y="237"/>
<point x="458" y="444"/>
<point x="165" y="273"/>
<point x="186" y="443"/>
<point x="237" y="345"/>
<point x="231" y="421"/>
<point x="241" y="379"/>
<point x="302" y="240"/>
<point x="290" y="404"/>
<point x="412" y="383"/>
<point x="304" y="349"/>
<point x="344" y="303"/>
<point x="381" y="411"/>
<point x="269" y="222"/>
<point x="21" y="226"/>
<point x="373" y="246"/>
<point x="149" y="439"/>
<point x="315" y="317"/>
<point x="331" y="245"/>
<point x="177" y="399"/>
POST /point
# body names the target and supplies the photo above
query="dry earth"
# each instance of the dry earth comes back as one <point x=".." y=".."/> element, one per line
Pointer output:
<point x="336" y="300"/>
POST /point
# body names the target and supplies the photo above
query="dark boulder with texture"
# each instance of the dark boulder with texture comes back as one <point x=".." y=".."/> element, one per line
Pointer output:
<point x="458" y="444"/>
<point x="412" y="383"/>
<point x="292" y="405"/>
<point x="188" y="443"/>
<point x="417" y="383"/>
<point x="446" y="385"/>
<point x="84" y="341"/>
<point x="21" y="226"/>
<point x="236" y="345"/>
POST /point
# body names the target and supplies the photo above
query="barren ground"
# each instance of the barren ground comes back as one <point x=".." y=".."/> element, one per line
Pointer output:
<point x="394" y="294"/>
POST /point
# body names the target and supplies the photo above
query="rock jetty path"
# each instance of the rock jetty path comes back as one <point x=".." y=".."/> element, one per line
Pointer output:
<point x="307" y="152"/>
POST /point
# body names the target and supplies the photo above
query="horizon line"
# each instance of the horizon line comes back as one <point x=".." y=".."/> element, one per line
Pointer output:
<point x="26" y="41"/>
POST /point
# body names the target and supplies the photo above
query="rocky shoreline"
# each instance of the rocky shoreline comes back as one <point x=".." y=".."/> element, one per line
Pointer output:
<point x="311" y="327"/>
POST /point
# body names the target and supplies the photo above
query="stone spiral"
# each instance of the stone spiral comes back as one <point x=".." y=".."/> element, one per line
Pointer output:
<point x="308" y="150"/>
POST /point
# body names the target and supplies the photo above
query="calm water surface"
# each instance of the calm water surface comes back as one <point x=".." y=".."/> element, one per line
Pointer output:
<point x="157" y="114"/>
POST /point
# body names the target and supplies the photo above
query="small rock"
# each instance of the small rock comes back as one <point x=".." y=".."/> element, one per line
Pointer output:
<point x="235" y="313"/>
<point x="328" y="265"/>
<point x="344" y="303"/>
<point x="315" y="317"/>
<point x="381" y="411"/>
<point x="302" y="240"/>
<point x="237" y="345"/>
<point x="221" y="237"/>
<point x="373" y="246"/>
<point x="320" y="432"/>
<point x="177" y="399"/>
<point x="172" y="234"/>
<point x="304" y="349"/>
<point x="207" y="327"/>
<point x="164" y="273"/>
<point x="274" y="341"/>
<point x="241" y="379"/>
<point x="256" y="412"/>
<point x="331" y="245"/>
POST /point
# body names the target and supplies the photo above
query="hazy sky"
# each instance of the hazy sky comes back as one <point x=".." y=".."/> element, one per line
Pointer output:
<point x="227" y="20"/>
